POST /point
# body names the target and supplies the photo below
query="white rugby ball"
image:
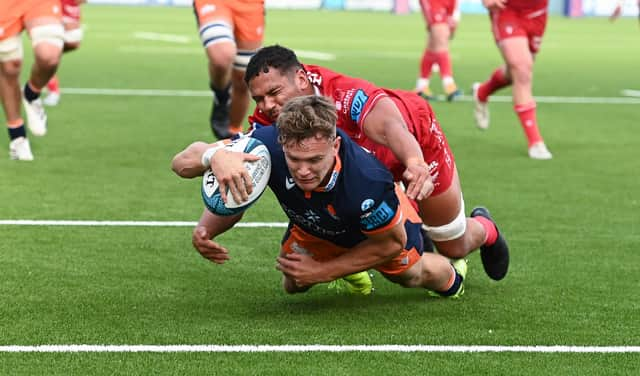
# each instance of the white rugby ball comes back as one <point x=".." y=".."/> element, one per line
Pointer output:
<point x="259" y="170"/>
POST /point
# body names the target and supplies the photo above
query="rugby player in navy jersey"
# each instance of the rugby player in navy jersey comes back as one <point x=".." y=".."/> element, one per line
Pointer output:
<point x="346" y="213"/>
<point x="398" y="127"/>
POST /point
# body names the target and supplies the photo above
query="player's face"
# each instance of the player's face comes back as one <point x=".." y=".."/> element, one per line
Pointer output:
<point x="311" y="161"/>
<point x="273" y="89"/>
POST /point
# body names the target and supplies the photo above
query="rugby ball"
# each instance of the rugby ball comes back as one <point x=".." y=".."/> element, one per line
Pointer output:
<point x="259" y="171"/>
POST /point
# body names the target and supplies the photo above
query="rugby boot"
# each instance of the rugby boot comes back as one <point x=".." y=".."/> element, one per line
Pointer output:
<point x="495" y="257"/>
<point x="356" y="284"/>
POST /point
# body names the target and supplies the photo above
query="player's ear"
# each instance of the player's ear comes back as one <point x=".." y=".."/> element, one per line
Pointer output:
<point x="301" y="79"/>
<point x="336" y="144"/>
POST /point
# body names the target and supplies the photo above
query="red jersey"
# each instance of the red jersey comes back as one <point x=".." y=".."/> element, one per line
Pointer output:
<point x="526" y="5"/>
<point x="354" y="98"/>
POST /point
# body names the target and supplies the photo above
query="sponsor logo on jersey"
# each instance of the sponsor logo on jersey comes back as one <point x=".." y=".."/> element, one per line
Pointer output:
<point x="208" y="8"/>
<point x="300" y="250"/>
<point x="289" y="183"/>
<point x="366" y="204"/>
<point x="312" y="216"/>
<point x="379" y="217"/>
<point x="357" y="105"/>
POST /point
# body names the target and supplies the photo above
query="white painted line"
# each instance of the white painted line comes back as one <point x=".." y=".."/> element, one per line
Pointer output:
<point x="315" y="55"/>
<point x="312" y="348"/>
<point x="466" y="98"/>
<point x="161" y="37"/>
<point x="138" y="92"/>
<point x="631" y="93"/>
<point x="30" y="222"/>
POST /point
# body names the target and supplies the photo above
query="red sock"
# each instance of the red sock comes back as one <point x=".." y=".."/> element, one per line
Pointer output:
<point x="428" y="58"/>
<point x="527" y="114"/>
<point x="54" y="85"/>
<point x="444" y="62"/>
<point x="489" y="229"/>
<point x="497" y="81"/>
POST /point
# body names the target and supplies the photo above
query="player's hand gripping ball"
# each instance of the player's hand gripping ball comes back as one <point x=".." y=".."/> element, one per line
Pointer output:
<point x="259" y="171"/>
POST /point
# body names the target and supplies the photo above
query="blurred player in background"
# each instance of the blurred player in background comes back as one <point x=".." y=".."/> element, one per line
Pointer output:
<point x="617" y="11"/>
<point x="441" y="17"/>
<point x="42" y="20"/>
<point x="231" y="32"/>
<point x="72" y="38"/>
<point x="518" y="27"/>
<point x="346" y="215"/>
<point x="398" y="127"/>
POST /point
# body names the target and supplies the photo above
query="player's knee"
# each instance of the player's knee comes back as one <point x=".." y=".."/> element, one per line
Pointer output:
<point x="47" y="59"/>
<point x="11" y="69"/>
<point x="11" y="50"/>
<point x="521" y="71"/>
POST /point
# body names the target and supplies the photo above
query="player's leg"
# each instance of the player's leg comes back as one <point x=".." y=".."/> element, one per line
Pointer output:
<point x="240" y="96"/>
<point x="249" y="35"/>
<point x="43" y="22"/>
<point x="10" y="64"/>
<point x="439" y="47"/>
<point x="481" y="92"/>
<point x="455" y="235"/>
<point x="501" y="27"/>
<point x="11" y="55"/>
<point x="431" y="271"/>
<point x="430" y="12"/>
<point x="215" y="26"/>
<point x="519" y="60"/>
<point x="73" y="35"/>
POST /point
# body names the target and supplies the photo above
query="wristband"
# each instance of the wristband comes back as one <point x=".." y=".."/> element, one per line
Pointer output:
<point x="209" y="153"/>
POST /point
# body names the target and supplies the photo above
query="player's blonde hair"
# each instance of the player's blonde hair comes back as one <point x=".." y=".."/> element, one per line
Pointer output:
<point x="306" y="117"/>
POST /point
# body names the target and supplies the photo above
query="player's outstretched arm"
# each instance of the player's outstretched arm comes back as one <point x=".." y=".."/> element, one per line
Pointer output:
<point x="384" y="124"/>
<point x="210" y="226"/>
<point x="188" y="163"/>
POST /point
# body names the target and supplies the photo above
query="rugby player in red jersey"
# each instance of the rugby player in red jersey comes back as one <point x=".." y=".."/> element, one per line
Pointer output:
<point x="518" y="27"/>
<point x="441" y="17"/>
<point x="397" y="126"/>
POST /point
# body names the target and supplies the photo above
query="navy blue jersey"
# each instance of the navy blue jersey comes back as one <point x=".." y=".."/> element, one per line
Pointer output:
<point x="359" y="198"/>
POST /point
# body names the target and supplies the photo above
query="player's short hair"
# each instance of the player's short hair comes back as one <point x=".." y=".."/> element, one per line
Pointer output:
<point x="276" y="57"/>
<point x="306" y="117"/>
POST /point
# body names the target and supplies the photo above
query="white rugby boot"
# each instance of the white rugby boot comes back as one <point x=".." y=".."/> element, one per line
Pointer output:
<point x="539" y="151"/>
<point x="20" y="149"/>
<point x="481" y="110"/>
<point x="36" y="116"/>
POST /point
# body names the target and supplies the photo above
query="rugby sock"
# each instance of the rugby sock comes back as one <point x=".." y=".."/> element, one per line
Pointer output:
<point x="428" y="58"/>
<point x="497" y="81"/>
<point x="444" y="62"/>
<point x="421" y="83"/>
<point x="489" y="228"/>
<point x="16" y="129"/>
<point x="221" y="94"/>
<point x="453" y="285"/>
<point x="53" y="85"/>
<point x="30" y="92"/>
<point x="527" y="114"/>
